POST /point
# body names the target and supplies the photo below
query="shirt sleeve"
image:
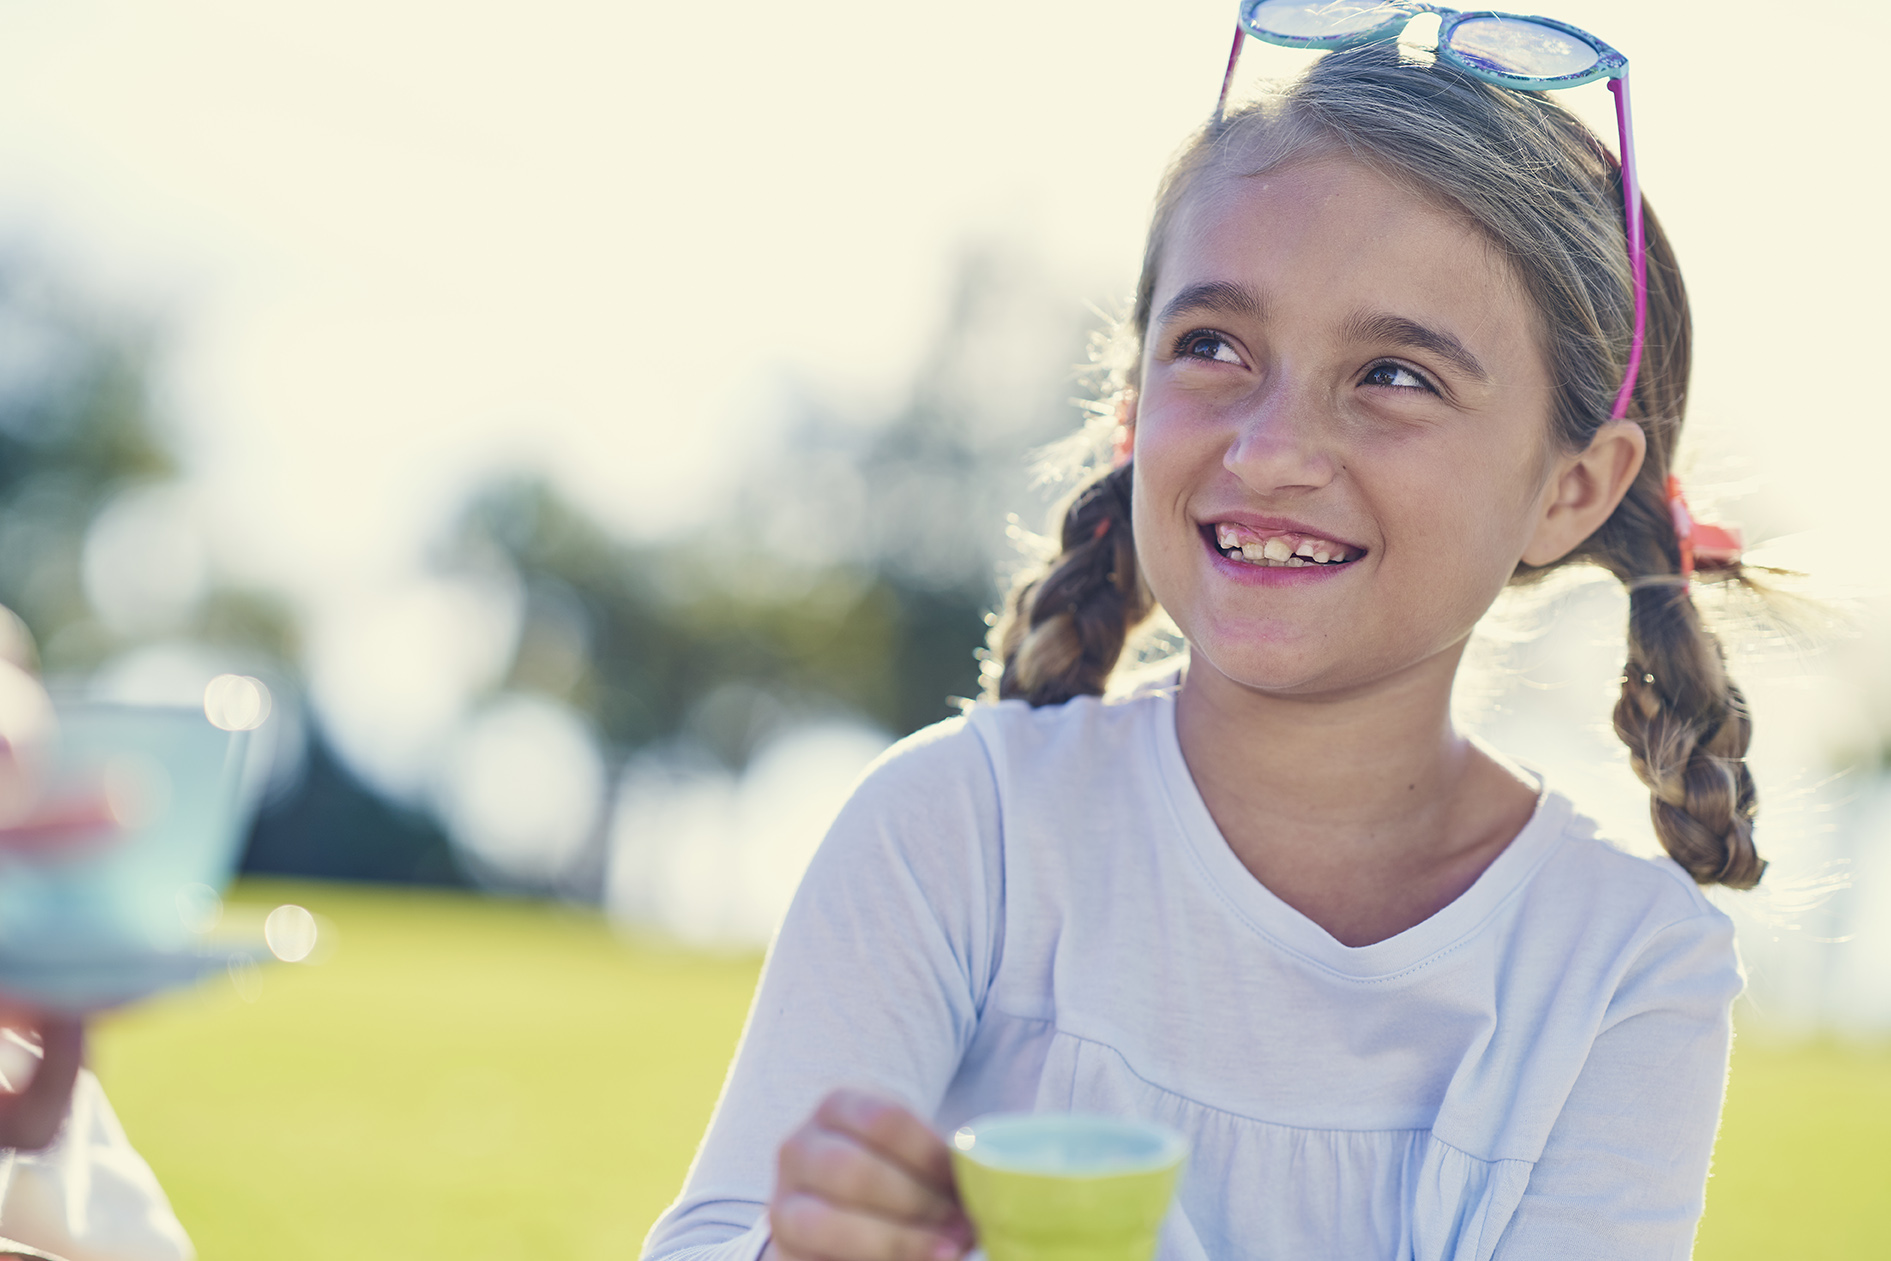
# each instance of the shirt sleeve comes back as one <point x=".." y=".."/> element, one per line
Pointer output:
<point x="89" y="1196"/>
<point x="1623" y="1173"/>
<point x="876" y="979"/>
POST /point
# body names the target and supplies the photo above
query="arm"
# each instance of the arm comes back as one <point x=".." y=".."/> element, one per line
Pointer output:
<point x="876" y="980"/>
<point x="1623" y="1174"/>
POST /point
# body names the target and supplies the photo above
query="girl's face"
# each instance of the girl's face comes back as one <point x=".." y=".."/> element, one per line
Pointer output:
<point x="1342" y="438"/>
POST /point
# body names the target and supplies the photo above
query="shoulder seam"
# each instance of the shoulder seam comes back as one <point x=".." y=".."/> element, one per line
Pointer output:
<point x="1000" y="903"/>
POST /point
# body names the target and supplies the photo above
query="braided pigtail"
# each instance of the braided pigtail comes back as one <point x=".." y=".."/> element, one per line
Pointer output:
<point x="1686" y="727"/>
<point x="1064" y="625"/>
<point x="1684" y="721"/>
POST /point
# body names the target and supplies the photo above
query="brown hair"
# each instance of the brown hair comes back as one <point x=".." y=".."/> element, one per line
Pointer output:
<point x="1548" y="196"/>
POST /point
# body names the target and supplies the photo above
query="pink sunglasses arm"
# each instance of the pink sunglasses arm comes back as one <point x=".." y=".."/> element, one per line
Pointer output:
<point x="1227" y="79"/>
<point x="1637" y="243"/>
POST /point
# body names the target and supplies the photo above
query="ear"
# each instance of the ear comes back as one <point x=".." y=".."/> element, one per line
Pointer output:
<point x="1583" y="490"/>
<point x="1123" y="441"/>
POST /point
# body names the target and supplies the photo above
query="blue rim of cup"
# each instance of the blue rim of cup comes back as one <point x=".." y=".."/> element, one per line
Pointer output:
<point x="980" y="1141"/>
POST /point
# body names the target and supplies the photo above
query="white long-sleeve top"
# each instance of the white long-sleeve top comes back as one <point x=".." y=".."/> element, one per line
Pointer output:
<point x="1033" y="909"/>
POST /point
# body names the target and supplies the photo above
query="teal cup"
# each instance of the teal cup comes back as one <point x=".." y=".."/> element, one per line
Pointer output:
<point x="1066" y="1186"/>
<point x="102" y="919"/>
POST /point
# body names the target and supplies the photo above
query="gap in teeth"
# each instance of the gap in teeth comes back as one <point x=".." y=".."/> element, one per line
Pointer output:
<point x="1278" y="550"/>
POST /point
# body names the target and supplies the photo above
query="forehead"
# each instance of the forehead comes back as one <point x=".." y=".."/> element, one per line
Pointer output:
<point x="1330" y="232"/>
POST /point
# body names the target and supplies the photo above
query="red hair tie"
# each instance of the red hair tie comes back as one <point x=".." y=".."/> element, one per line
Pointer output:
<point x="1715" y="546"/>
<point x="1123" y="440"/>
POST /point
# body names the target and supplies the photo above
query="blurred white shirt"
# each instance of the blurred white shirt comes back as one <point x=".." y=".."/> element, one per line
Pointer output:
<point x="88" y="1196"/>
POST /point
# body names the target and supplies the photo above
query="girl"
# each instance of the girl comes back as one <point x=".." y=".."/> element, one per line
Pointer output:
<point x="1399" y="997"/>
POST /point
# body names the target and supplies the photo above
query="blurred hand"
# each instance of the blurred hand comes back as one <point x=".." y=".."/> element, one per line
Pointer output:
<point x="30" y="1117"/>
<point x="29" y="822"/>
<point x="26" y="721"/>
<point x="865" y="1180"/>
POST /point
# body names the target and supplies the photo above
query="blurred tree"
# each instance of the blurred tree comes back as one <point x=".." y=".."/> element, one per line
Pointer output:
<point x="78" y="430"/>
<point x="331" y="826"/>
<point x="858" y="582"/>
<point x="859" y="563"/>
<point x="852" y="576"/>
<point x="80" y="439"/>
<point x="75" y="426"/>
<point x="641" y="637"/>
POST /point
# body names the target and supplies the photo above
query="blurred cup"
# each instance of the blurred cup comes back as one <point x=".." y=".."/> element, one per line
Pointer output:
<point x="113" y="902"/>
<point x="1066" y="1186"/>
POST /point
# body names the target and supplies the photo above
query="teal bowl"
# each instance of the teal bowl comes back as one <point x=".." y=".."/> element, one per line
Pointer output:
<point x="107" y="918"/>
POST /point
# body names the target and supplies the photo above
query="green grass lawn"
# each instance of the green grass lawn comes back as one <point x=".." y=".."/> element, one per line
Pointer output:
<point x="473" y="1079"/>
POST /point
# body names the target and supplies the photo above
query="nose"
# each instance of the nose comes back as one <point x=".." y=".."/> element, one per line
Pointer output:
<point x="1284" y="441"/>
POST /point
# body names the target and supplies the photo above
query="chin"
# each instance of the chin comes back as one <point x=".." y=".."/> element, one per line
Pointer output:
<point x="1268" y="668"/>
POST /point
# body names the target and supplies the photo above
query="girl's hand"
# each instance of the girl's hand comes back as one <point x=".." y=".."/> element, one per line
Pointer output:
<point x="26" y="723"/>
<point x="865" y="1180"/>
<point x="31" y="823"/>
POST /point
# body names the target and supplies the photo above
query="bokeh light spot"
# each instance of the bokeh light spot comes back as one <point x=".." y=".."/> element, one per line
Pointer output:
<point x="523" y="787"/>
<point x="291" y="933"/>
<point x="236" y="702"/>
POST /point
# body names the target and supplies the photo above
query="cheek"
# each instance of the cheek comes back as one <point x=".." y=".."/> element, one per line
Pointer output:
<point x="1166" y="546"/>
<point x="1155" y="550"/>
<point x="1468" y="515"/>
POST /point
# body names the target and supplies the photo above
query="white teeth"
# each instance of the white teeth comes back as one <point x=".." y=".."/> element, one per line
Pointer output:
<point x="1280" y="550"/>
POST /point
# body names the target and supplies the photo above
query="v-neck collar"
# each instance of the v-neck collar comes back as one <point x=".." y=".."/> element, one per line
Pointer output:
<point x="1263" y="911"/>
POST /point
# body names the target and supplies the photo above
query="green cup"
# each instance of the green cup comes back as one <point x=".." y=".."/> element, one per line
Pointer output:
<point x="1065" y="1186"/>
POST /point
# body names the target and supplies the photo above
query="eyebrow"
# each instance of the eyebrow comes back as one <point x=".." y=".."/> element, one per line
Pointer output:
<point x="1399" y="331"/>
<point x="1219" y="296"/>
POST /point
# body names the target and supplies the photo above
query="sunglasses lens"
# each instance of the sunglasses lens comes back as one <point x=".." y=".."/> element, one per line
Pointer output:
<point x="1521" y="48"/>
<point x="1319" y="19"/>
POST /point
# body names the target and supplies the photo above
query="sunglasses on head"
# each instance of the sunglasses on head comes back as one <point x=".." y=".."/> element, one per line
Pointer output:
<point x="1524" y="54"/>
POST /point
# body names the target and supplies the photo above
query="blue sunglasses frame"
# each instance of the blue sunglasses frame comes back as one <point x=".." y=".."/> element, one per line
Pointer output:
<point x="1609" y="64"/>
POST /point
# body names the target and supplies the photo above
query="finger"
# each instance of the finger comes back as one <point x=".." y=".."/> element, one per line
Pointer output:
<point x="842" y="1171"/>
<point x="31" y="1119"/>
<point x="806" y="1226"/>
<point x="891" y="1130"/>
<point x="49" y="826"/>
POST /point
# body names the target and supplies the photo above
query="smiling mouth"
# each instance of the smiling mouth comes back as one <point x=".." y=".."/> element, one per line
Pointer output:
<point x="1277" y="549"/>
